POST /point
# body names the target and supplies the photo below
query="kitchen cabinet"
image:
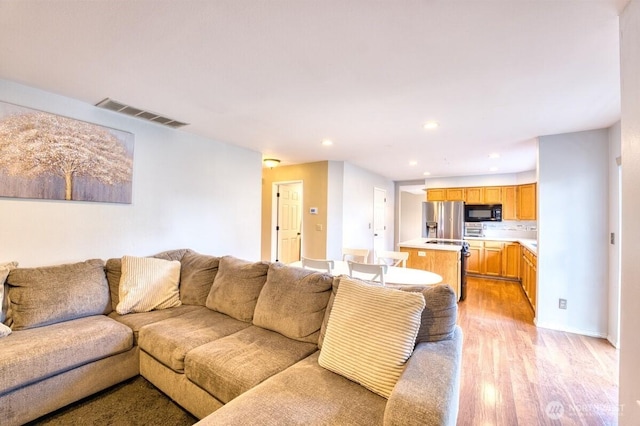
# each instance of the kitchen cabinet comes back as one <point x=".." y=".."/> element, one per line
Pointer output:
<point x="494" y="259"/>
<point x="527" y="202"/>
<point x="492" y="195"/>
<point x="509" y="203"/>
<point x="436" y="194"/>
<point x="445" y="263"/>
<point x="455" y="194"/>
<point x="528" y="274"/>
<point x="473" y="195"/>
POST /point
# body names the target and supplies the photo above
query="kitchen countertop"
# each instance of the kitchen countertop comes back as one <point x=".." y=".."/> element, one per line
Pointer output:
<point x="530" y="244"/>
<point x="421" y="243"/>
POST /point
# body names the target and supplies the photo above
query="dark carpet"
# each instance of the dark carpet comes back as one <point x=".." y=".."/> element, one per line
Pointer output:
<point x="131" y="403"/>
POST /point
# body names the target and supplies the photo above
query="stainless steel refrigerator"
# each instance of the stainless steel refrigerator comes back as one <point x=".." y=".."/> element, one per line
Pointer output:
<point x="443" y="219"/>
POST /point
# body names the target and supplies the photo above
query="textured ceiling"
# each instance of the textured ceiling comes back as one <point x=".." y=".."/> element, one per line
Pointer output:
<point x="278" y="77"/>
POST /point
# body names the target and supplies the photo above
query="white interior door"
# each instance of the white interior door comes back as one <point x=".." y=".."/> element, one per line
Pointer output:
<point x="379" y="228"/>
<point x="289" y="224"/>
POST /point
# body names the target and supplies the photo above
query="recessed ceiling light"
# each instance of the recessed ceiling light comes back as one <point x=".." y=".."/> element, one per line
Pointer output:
<point x="413" y="163"/>
<point x="493" y="169"/>
<point x="430" y="125"/>
<point x="327" y="142"/>
<point x="427" y="173"/>
<point x="494" y="155"/>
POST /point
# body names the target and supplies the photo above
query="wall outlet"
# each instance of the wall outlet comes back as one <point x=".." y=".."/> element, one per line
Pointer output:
<point x="562" y="303"/>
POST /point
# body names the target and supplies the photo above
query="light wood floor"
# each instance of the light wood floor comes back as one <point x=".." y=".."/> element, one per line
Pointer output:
<point x="516" y="374"/>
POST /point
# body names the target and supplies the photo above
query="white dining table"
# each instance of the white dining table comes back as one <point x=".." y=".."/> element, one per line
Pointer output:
<point x="395" y="274"/>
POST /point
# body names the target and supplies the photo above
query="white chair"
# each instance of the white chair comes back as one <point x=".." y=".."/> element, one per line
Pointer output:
<point x="356" y="255"/>
<point x="318" y="264"/>
<point x="377" y="271"/>
<point x="392" y="258"/>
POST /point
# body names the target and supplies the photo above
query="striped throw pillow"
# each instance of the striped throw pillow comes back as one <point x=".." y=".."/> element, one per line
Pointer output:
<point x="147" y="284"/>
<point x="371" y="334"/>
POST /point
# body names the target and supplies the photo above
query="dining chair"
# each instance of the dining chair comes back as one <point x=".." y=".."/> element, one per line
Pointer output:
<point x="377" y="271"/>
<point x="392" y="258"/>
<point x="356" y="255"/>
<point x="317" y="264"/>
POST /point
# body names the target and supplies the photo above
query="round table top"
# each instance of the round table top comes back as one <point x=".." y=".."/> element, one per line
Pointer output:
<point x="395" y="274"/>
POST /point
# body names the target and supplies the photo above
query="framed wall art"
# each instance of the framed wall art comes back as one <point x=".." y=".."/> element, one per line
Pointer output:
<point x="48" y="156"/>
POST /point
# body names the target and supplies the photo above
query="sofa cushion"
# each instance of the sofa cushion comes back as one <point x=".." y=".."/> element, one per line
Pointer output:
<point x="114" y="271"/>
<point x="136" y="321"/>
<point x="28" y="356"/>
<point x="147" y="284"/>
<point x="196" y="277"/>
<point x="303" y="394"/>
<point x="169" y="340"/>
<point x="4" y="291"/>
<point x="293" y="302"/>
<point x="371" y="334"/>
<point x="236" y="287"/>
<point x="236" y="363"/>
<point x="46" y="295"/>
<point x="440" y="314"/>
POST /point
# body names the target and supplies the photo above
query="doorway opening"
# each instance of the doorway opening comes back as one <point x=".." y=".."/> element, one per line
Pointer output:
<point x="286" y="234"/>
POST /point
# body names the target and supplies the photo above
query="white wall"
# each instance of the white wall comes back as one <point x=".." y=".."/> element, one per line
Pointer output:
<point x="573" y="232"/>
<point x="188" y="191"/>
<point x="410" y="216"/>
<point x="335" y="209"/>
<point x="613" y="333"/>
<point x="629" y="389"/>
<point x="503" y="179"/>
<point x="358" y="208"/>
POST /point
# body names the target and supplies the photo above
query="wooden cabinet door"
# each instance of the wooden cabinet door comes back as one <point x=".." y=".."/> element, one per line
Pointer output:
<point x="473" y="195"/>
<point x="443" y="262"/>
<point x="492" y="195"/>
<point x="436" y="194"/>
<point x="455" y="194"/>
<point x="527" y="202"/>
<point x="493" y="258"/>
<point x="511" y="265"/>
<point x="474" y="261"/>
<point x="509" y="203"/>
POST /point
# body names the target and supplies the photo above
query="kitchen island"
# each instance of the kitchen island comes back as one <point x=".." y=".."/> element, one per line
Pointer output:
<point x="436" y="255"/>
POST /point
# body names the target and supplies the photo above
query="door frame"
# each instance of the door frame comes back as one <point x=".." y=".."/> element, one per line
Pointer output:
<point x="274" y="215"/>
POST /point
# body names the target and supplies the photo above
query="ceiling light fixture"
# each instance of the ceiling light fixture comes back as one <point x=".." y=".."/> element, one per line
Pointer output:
<point x="494" y="155"/>
<point x="327" y="142"/>
<point x="413" y="163"/>
<point x="271" y="162"/>
<point x="430" y="125"/>
<point x="493" y="169"/>
<point x="427" y="173"/>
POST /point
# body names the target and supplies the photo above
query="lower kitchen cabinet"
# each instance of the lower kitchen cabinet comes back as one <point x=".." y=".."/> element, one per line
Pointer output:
<point x="528" y="274"/>
<point x="494" y="259"/>
<point x="445" y="263"/>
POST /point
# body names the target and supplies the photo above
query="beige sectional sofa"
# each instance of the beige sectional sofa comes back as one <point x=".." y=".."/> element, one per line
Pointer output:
<point x="246" y="343"/>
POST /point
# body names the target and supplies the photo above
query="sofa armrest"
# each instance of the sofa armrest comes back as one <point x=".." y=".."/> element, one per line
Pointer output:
<point x="428" y="391"/>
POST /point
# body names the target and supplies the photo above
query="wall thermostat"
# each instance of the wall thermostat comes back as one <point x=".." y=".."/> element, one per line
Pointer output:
<point x="313" y="210"/>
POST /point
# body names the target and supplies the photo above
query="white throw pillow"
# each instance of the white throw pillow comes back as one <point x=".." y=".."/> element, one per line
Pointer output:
<point x="4" y="330"/>
<point x="371" y="334"/>
<point x="5" y="268"/>
<point x="148" y="283"/>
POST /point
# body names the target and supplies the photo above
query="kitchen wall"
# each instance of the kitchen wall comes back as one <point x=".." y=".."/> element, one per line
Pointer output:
<point x="629" y="389"/>
<point x="188" y="191"/>
<point x="573" y="198"/>
<point x="410" y="222"/>
<point x="503" y="179"/>
<point x="511" y="229"/>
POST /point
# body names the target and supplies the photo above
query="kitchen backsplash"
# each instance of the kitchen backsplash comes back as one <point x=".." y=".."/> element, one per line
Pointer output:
<point x="511" y="229"/>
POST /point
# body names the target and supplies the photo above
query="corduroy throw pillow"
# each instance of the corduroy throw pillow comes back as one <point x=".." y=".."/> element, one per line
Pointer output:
<point x="147" y="284"/>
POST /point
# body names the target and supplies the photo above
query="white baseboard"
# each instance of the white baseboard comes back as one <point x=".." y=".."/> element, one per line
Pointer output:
<point x="558" y="327"/>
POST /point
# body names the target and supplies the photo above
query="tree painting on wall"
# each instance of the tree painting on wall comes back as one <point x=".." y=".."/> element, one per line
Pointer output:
<point x="49" y="156"/>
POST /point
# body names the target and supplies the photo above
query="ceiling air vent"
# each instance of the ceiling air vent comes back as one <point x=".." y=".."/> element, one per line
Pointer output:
<point x="116" y="106"/>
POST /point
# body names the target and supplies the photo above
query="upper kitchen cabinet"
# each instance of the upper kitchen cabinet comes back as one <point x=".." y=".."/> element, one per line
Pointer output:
<point x="492" y="195"/>
<point x="474" y="195"/>
<point x="526" y="195"/>
<point x="455" y="194"/>
<point x="509" y="203"/>
<point x="436" y="194"/>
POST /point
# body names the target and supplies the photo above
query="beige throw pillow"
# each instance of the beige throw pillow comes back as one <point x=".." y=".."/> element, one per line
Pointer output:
<point x="5" y="268"/>
<point x="148" y="283"/>
<point x="371" y="334"/>
<point x="4" y="330"/>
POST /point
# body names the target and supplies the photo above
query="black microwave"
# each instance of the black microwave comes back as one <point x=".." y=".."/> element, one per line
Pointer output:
<point x="483" y="213"/>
